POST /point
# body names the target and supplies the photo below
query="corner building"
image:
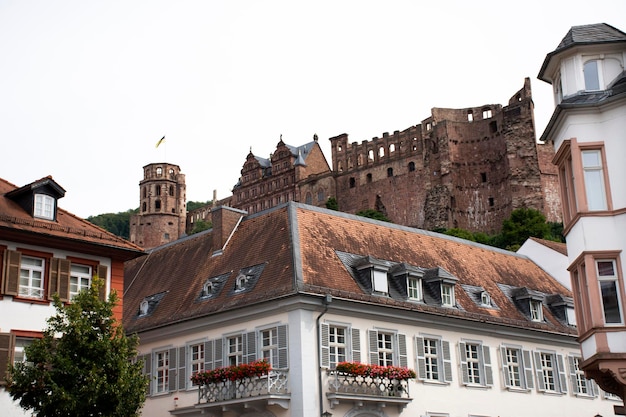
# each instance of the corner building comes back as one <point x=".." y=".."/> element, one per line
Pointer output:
<point x="487" y="331"/>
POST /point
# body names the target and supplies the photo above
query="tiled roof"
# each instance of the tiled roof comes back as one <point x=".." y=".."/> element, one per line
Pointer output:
<point x="555" y="246"/>
<point x="591" y="34"/>
<point x="14" y="219"/>
<point x="306" y="250"/>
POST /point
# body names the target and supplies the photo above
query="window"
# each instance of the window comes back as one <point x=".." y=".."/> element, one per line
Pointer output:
<point x="31" y="277"/>
<point x="381" y="152"/>
<point x="390" y="172"/>
<point x="80" y="279"/>
<point x="470" y="116"/>
<point x="368" y="178"/>
<point x="414" y="288"/>
<point x="594" y="179"/>
<point x="157" y="189"/>
<point x="387" y="348"/>
<point x="352" y="182"/>
<point x="483" y="177"/>
<point x="609" y="289"/>
<point x="320" y="195"/>
<point x="161" y="368"/>
<point x="475" y="364"/>
<point x="44" y="206"/>
<point x="433" y="359"/>
<point x="581" y="386"/>
<point x="196" y="358"/>
<point x="447" y="295"/>
<point x="234" y="350"/>
<point x="241" y="282"/>
<point x="536" y="310"/>
<point x="339" y="343"/>
<point x="274" y="346"/>
<point x="550" y="372"/>
<point x="487" y="113"/>
<point x="411" y="166"/>
<point x="159" y="171"/>
<point x="592" y="79"/>
<point x="485" y="299"/>
<point x="19" y="353"/>
<point x="516" y="367"/>
<point x="157" y="205"/>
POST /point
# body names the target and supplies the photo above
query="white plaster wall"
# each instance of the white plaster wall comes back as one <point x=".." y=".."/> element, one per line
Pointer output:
<point x="551" y="261"/>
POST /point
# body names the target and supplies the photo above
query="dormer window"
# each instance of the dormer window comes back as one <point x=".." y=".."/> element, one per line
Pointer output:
<point x="379" y="281"/>
<point x="485" y="299"/>
<point x="240" y="283"/>
<point x="414" y="288"/>
<point x="447" y="295"/>
<point x="373" y="274"/>
<point x="207" y="289"/>
<point x="44" y="206"/>
<point x="149" y="304"/>
<point x="536" y="311"/>
<point x="144" y="306"/>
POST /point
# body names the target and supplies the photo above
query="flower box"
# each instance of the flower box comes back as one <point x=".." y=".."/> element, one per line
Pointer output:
<point x="232" y="373"/>
<point x="375" y="371"/>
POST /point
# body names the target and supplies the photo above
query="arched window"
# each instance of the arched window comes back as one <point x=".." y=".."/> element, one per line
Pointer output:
<point x="320" y="195"/>
<point x="157" y="205"/>
<point x="143" y="206"/>
<point x="159" y="171"/>
<point x="381" y="152"/>
<point x="411" y="166"/>
<point x="352" y="182"/>
<point x="308" y="199"/>
<point x="368" y="177"/>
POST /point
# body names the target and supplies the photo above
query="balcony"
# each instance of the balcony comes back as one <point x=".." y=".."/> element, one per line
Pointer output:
<point x="245" y="394"/>
<point x="359" y="390"/>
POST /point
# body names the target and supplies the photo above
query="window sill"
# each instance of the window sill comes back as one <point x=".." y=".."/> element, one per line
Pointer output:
<point x="517" y="389"/>
<point x="40" y="301"/>
<point x="434" y="382"/>
<point x="477" y="386"/>
<point x="553" y="393"/>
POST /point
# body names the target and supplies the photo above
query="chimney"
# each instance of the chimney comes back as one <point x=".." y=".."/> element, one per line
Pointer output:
<point x="225" y="220"/>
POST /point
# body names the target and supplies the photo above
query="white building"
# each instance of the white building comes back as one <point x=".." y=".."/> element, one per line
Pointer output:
<point x="550" y="256"/>
<point x="588" y="130"/>
<point x="487" y="331"/>
<point x="46" y="250"/>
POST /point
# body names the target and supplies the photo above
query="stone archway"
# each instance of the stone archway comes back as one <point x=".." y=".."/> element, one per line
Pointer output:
<point x="365" y="412"/>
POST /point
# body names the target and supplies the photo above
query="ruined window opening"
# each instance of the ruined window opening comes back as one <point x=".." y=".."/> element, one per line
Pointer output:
<point x="470" y="116"/>
<point x="487" y="113"/>
<point x="381" y="152"/>
<point x="352" y="182"/>
<point x="493" y="127"/>
<point x="392" y="148"/>
<point x="490" y="201"/>
<point x="159" y="171"/>
<point x="483" y="176"/>
<point x="429" y="126"/>
<point x="157" y="205"/>
<point x="158" y="190"/>
<point x="411" y="166"/>
<point x="390" y="172"/>
<point x="339" y="148"/>
<point x="368" y="177"/>
<point x="143" y="206"/>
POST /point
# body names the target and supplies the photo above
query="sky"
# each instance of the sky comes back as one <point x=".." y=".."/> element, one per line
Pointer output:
<point x="87" y="88"/>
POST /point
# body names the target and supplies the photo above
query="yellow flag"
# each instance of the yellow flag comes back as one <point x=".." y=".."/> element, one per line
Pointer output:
<point x="160" y="141"/>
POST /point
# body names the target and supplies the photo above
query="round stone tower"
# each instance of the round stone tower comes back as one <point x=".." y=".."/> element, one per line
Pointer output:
<point x="162" y="206"/>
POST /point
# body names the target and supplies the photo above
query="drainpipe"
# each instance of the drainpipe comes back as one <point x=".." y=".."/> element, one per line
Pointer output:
<point x="326" y="301"/>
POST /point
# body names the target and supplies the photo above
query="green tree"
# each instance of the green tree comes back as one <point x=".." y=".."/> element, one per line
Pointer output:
<point x="462" y="233"/>
<point x="192" y="205"/>
<point x="200" y="225"/>
<point x="523" y="223"/>
<point x="82" y="365"/>
<point x="373" y="214"/>
<point x="332" y="204"/>
<point x="116" y="223"/>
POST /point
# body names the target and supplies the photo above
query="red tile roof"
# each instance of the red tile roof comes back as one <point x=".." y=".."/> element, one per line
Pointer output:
<point x="19" y="225"/>
<point x="299" y="246"/>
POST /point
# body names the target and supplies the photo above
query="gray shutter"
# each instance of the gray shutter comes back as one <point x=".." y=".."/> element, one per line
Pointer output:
<point x="541" y="385"/>
<point x="283" y="362"/>
<point x="182" y="368"/>
<point x="172" y="372"/>
<point x="249" y="345"/>
<point x="12" y="262"/>
<point x="528" y="369"/>
<point x="572" y="375"/>
<point x="487" y="366"/>
<point x="7" y="342"/>
<point x="218" y="353"/>
<point x="208" y="355"/>
<point x="562" y="374"/>
<point x="147" y="371"/>
<point x="402" y="359"/>
<point x="463" y="360"/>
<point x="356" y="345"/>
<point x="505" y="367"/>
<point x="373" y="346"/>
<point x="592" y="387"/>
<point x="324" y="348"/>
<point x="447" y="361"/>
<point x="421" y="359"/>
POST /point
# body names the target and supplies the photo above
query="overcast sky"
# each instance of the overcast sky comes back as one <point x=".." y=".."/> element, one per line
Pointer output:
<point x="87" y="88"/>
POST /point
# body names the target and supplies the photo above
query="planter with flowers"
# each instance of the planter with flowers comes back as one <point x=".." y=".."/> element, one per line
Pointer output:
<point x="232" y="373"/>
<point x="360" y="378"/>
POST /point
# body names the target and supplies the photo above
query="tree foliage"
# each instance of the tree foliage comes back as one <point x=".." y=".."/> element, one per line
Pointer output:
<point x="200" y="226"/>
<point x="82" y="365"/>
<point x="373" y="214"/>
<point x="116" y="223"/>
<point x="192" y="205"/>
<point x="332" y="204"/>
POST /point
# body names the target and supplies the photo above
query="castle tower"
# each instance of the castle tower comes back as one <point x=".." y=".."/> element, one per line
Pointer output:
<point x="162" y="206"/>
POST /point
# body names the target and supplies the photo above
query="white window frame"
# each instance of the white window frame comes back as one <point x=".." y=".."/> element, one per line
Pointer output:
<point x="30" y="273"/>
<point x="234" y="349"/>
<point x="385" y="348"/>
<point x="447" y="295"/>
<point x="414" y="288"/>
<point x="380" y="283"/>
<point x="485" y="299"/>
<point x="581" y="386"/>
<point x="161" y="371"/>
<point x="352" y="344"/>
<point x="614" y="278"/>
<point x="536" y="310"/>
<point x="434" y="364"/>
<point x="19" y="350"/>
<point x="196" y="359"/>
<point x="269" y="345"/>
<point x="44" y="206"/>
<point x="80" y="278"/>
<point x="593" y="176"/>
<point x="337" y="344"/>
<point x="388" y="349"/>
<point x="550" y="372"/>
<point x="475" y="358"/>
<point x="517" y="375"/>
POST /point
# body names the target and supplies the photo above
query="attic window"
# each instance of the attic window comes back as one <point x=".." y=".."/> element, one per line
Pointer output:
<point x="241" y="282"/>
<point x="447" y="295"/>
<point x="208" y="289"/>
<point x="485" y="299"/>
<point x="536" y="312"/>
<point x="149" y="304"/>
<point x="44" y="206"/>
<point x="414" y="288"/>
<point x="144" y="306"/>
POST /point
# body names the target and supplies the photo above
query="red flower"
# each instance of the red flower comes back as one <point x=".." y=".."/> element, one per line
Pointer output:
<point x="232" y="373"/>
<point x="375" y="371"/>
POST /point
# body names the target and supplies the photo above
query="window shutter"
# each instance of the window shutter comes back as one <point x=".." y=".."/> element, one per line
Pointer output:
<point x="463" y="359"/>
<point x="64" y="267"/>
<point x="53" y="282"/>
<point x="250" y="347"/>
<point x="182" y="368"/>
<point x="7" y="342"/>
<point x="572" y="375"/>
<point x="147" y="371"/>
<point x="2" y="272"/>
<point x="421" y="359"/>
<point x="102" y="274"/>
<point x="447" y="361"/>
<point x="218" y="353"/>
<point x="562" y="374"/>
<point x="541" y="385"/>
<point x="592" y="387"/>
<point x="324" y="348"/>
<point x="283" y="362"/>
<point x="356" y="345"/>
<point x="487" y="366"/>
<point x="12" y="263"/>
<point x="528" y="369"/>
<point x="505" y="367"/>
<point x="172" y="372"/>
<point x="208" y="355"/>
<point x="373" y="345"/>
<point x="402" y="351"/>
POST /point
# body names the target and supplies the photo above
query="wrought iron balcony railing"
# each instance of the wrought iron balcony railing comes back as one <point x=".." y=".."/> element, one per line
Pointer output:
<point x="345" y="383"/>
<point x="274" y="383"/>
